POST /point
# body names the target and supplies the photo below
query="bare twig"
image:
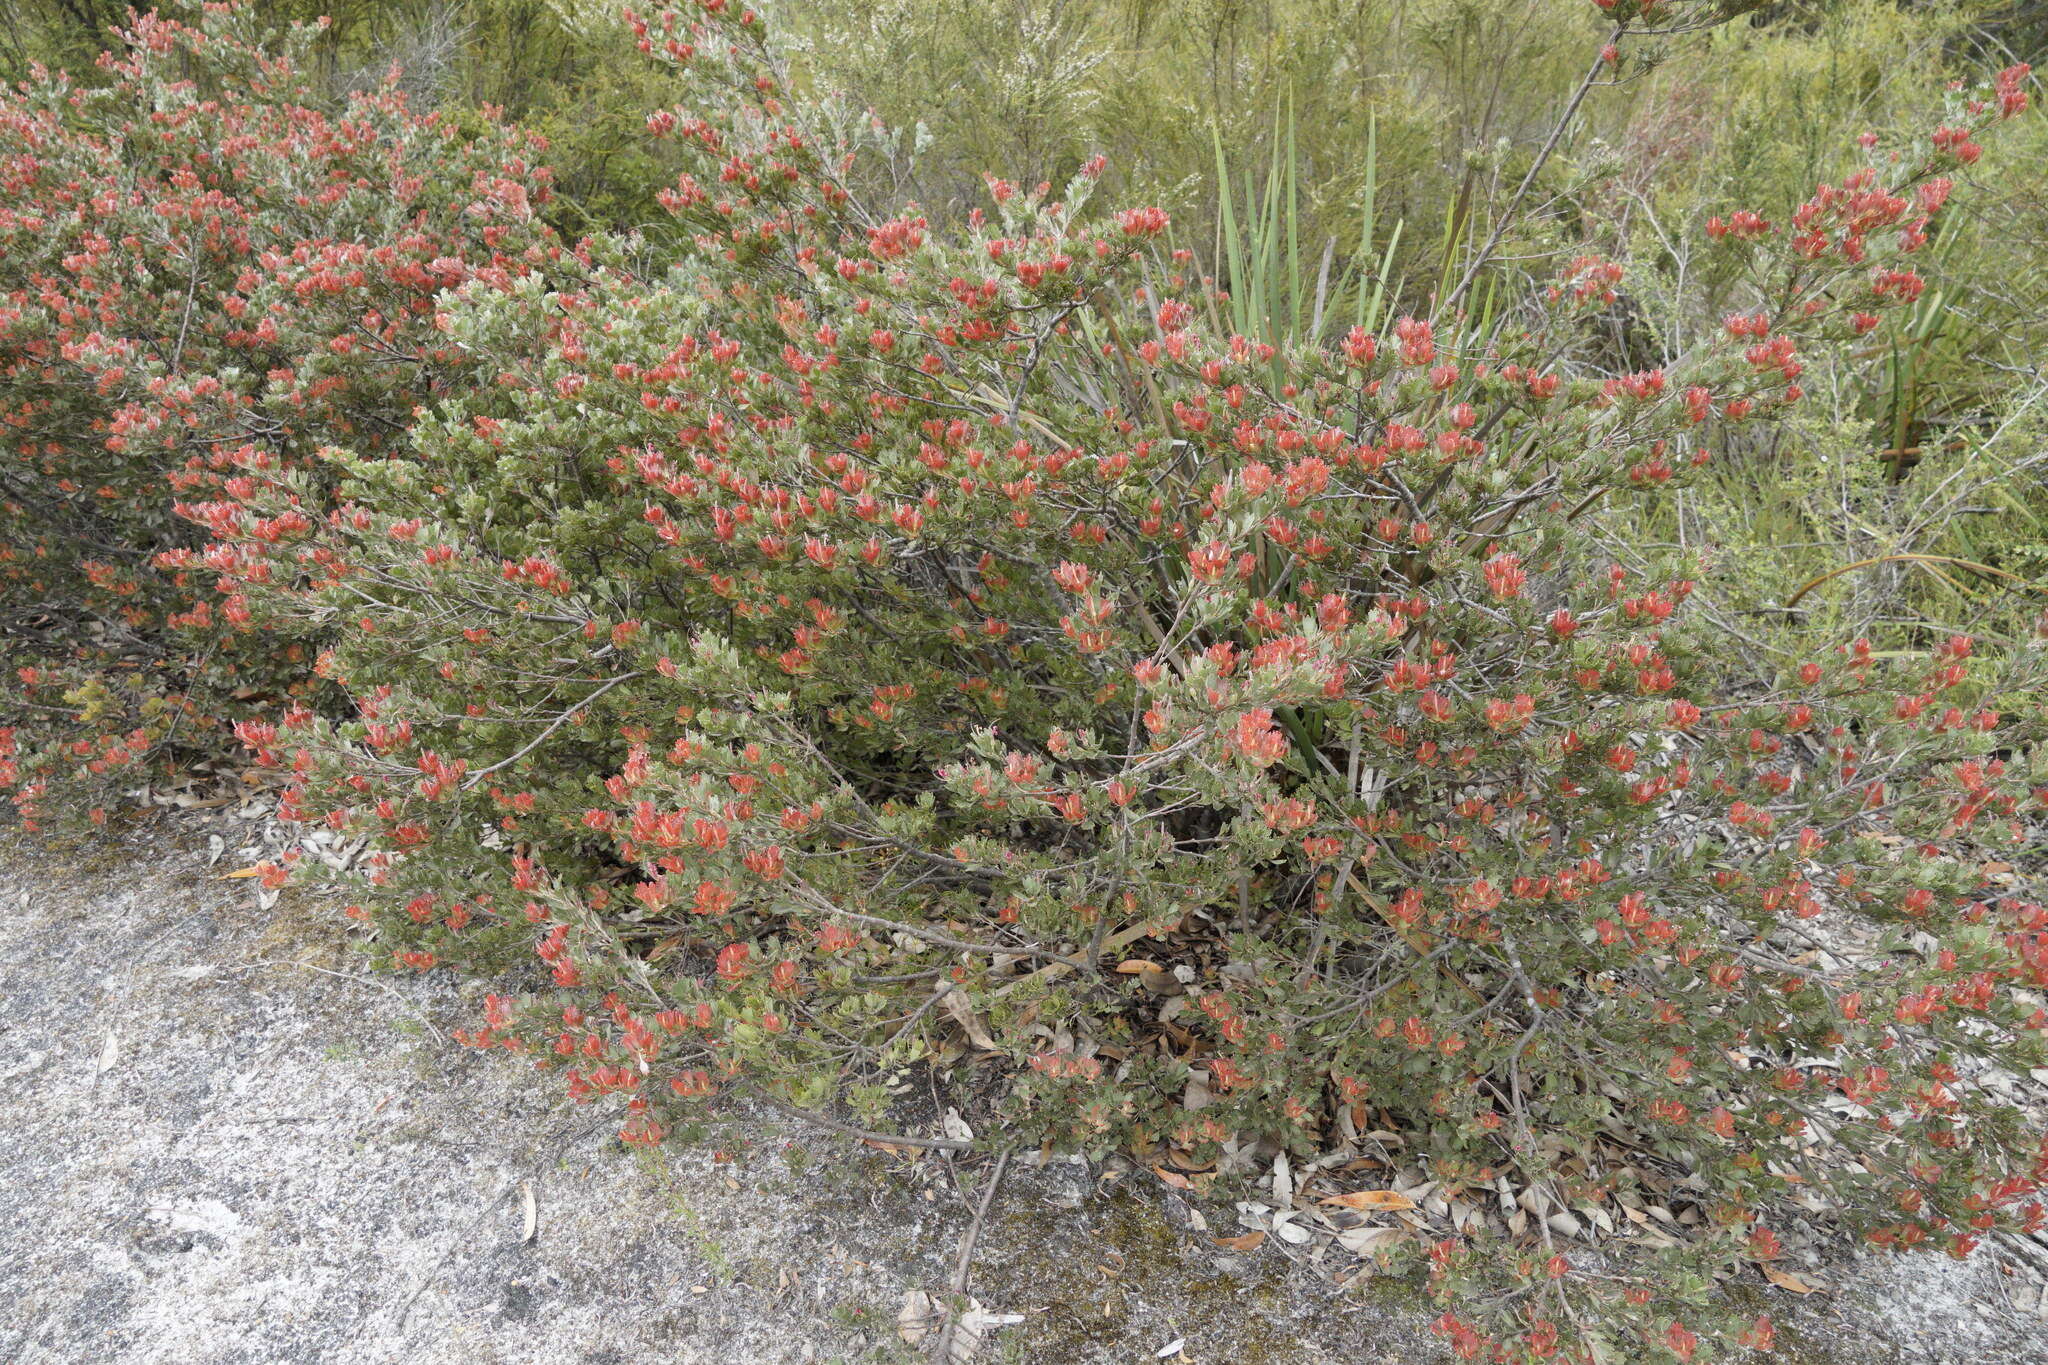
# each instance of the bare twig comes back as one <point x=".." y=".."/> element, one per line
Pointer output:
<point x="938" y="940"/>
<point x="965" y="1262"/>
<point x="538" y="739"/>
<point x="834" y="1125"/>
<point x="1507" y="216"/>
<point x="1793" y="600"/>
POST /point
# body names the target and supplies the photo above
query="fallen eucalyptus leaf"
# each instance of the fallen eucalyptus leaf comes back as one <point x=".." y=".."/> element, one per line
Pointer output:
<point x="1366" y="1241"/>
<point x="1785" y="1279"/>
<point x="1374" y="1201"/>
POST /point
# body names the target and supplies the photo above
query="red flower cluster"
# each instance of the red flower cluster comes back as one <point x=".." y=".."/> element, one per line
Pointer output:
<point x="204" y="282"/>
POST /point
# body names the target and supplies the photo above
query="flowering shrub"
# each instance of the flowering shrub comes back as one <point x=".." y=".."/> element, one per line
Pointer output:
<point x="855" y="645"/>
<point x="204" y="276"/>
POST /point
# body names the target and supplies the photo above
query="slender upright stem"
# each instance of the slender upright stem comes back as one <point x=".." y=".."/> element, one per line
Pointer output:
<point x="1500" y="227"/>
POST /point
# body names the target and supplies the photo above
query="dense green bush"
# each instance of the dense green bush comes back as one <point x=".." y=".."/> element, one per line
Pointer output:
<point x="861" y="643"/>
<point x="206" y="273"/>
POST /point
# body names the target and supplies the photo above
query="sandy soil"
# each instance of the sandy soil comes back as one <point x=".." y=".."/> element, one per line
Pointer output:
<point x="222" y="1143"/>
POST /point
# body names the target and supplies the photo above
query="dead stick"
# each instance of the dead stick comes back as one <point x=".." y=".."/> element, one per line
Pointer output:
<point x="965" y="1263"/>
<point x="834" y="1125"/>
<point x="1418" y="942"/>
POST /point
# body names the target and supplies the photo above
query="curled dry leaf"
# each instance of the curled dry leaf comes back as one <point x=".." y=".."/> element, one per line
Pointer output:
<point x="1249" y="1242"/>
<point x="1372" y="1201"/>
<point x="1565" y="1224"/>
<point x="961" y="1011"/>
<point x="1366" y="1241"/>
<point x="893" y="1148"/>
<point x="1785" y="1279"/>
<point x="1287" y="1230"/>
<point x="919" y="1314"/>
<point x="1283" y="1181"/>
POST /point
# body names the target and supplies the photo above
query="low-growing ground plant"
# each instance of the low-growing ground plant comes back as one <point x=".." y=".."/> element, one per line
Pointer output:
<point x="855" y="647"/>
<point x="207" y="271"/>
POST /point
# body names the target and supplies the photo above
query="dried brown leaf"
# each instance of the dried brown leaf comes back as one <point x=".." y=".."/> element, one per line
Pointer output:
<point x="1785" y="1279"/>
<point x="961" y="1011"/>
<point x="1374" y="1201"/>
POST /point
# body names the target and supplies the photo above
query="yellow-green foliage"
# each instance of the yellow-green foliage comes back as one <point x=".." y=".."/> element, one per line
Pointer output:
<point x="1028" y="89"/>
